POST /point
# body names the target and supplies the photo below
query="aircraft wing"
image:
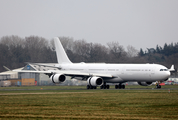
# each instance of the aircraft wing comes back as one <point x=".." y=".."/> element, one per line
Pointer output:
<point x="44" y="65"/>
<point x="68" y="73"/>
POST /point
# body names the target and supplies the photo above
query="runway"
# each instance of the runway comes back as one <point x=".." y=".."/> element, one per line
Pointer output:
<point x="71" y="88"/>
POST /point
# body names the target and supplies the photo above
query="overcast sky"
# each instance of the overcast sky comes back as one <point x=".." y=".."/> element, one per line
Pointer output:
<point x="140" y="23"/>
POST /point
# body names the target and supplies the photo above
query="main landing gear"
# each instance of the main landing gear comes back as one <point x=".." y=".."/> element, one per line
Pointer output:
<point x="104" y="86"/>
<point x="91" y="87"/>
<point x="120" y="86"/>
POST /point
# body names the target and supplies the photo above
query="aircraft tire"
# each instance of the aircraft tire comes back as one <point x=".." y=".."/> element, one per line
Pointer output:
<point x="120" y="86"/>
<point x="158" y="86"/>
<point x="123" y="86"/>
<point x="116" y="86"/>
<point x="107" y="86"/>
<point x="88" y="86"/>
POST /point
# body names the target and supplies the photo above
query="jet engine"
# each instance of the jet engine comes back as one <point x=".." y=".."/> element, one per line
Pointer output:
<point x="95" y="81"/>
<point x="58" y="78"/>
<point x="144" y="83"/>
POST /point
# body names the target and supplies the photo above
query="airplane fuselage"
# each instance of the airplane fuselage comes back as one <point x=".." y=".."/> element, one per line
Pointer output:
<point x="123" y="72"/>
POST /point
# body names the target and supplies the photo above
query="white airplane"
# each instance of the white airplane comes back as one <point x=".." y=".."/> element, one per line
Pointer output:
<point x="100" y="74"/>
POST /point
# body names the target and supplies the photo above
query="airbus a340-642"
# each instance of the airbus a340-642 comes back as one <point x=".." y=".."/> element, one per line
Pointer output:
<point x="100" y="74"/>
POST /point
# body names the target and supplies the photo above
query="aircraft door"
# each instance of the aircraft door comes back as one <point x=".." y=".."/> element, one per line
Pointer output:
<point x="152" y="73"/>
<point x="123" y="70"/>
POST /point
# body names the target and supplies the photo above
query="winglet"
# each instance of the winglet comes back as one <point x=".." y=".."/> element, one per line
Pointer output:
<point x="62" y="57"/>
<point x="172" y="68"/>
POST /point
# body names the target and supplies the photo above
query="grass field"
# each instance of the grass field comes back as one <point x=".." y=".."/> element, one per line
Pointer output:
<point x="64" y="102"/>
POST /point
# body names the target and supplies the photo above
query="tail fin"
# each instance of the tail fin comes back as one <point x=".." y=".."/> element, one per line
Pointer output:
<point x="62" y="57"/>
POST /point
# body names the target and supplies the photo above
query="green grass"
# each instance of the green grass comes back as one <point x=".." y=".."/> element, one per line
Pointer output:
<point x="74" y="103"/>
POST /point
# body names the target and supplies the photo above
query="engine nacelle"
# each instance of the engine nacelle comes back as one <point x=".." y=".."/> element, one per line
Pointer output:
<point x="144" y="83"/>
<point x="95" y="81"/>
<point x="57" y="78"/>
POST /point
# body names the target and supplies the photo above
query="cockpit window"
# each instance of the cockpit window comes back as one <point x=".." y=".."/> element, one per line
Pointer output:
<point x="163" y="69"/>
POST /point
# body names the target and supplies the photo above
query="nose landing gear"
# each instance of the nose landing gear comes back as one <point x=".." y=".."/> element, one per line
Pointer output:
<point x="158" y="86"/>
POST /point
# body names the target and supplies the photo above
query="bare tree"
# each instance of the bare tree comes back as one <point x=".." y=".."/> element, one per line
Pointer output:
<point x="36" y="46"/>
<point x="12" y="41"/>
<point x="82" y="49"/>
<point x="67" y="43"/>
<point x="117" y="51"/>
<point x="98" y="53"/>
<point x="131" y="51"/>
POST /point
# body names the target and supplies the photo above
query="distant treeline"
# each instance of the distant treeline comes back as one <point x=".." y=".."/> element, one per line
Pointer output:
<point x="167" y="50"/>
<point x="15" y="51"/>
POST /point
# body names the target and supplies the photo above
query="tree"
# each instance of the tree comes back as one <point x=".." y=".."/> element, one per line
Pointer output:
<point x="67" y="43"/>
<point x="141" y="53"/>
<point x="166" y="50"/>
<point x="12" y="41"/>
<point x="81" y="49"/>
<point x="35" y="46"/>
<point x="158" y="49"/>
<point x="98" y="53"/>
<point x="117" y="51"/>
<point x="131" y="51"/>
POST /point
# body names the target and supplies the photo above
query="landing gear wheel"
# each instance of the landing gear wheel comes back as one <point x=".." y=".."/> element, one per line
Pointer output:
<point x="94" y="87"/>
<point x="104" y="86"/>
<point x="107" y="86"/>
<point x="116" y="86"/>
<point x="88" y="86"/>
<point x="91" y="87"/>
<point x="120" y="86"/>
<point x="158" y="86"/>
<point x="123" y="86"/>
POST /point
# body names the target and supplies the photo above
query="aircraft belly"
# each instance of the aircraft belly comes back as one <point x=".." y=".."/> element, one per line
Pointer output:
<point x="114" y="80"/>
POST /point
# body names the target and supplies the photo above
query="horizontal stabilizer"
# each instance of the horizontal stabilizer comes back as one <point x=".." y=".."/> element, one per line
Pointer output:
<point x="7" y="68"/>
<point x="44" y="65"/>
<point x="172" y="68"/>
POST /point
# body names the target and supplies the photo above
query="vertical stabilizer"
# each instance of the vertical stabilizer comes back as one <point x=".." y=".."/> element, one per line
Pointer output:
<point x="62" y="57"/>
